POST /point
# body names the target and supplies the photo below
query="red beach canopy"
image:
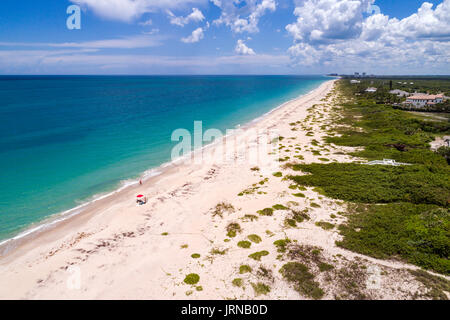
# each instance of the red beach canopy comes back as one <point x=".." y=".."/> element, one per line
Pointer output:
<point x="139" y="196"/>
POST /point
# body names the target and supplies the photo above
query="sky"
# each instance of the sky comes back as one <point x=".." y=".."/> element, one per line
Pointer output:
<point x="225" y="37"/>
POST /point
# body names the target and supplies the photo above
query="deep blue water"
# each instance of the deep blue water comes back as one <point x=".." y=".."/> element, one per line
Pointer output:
<point x="64" y="139"/>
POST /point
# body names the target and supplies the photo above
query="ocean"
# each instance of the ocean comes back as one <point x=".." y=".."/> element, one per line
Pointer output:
<point x="65" y="140"/>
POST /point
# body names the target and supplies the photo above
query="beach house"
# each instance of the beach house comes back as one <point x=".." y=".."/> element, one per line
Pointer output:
<point x="422" y="100"/>
<point x="371" y="90"/>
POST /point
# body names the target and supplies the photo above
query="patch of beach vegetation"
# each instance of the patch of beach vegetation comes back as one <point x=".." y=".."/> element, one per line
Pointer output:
<point x="438" y="288"/>
<point x="254" y="238"/>
<point x="237" y="282"/>
<point x="223" y="207"/>
<point x="265" y="212"/>
<point x="192" y="279"/>
<point x="282" y="244"/>
<point x="244" y="244"/>
<point x="279" y="207"/>
<point x="258" y="255"/>
<point x="302" y="280"/>
<point x="249" y="217"/>
<point x="260" y="288"/>
<point x="245" y="269"/>
<point x="233" y="229"/>
<point x="217" y="251"/>
<point x="325" y="225"/>
<point x="277" y="174"/>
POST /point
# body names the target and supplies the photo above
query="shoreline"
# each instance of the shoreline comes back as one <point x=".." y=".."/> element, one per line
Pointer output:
<point x="34" y="230"/>
<point x="125" y="251"/>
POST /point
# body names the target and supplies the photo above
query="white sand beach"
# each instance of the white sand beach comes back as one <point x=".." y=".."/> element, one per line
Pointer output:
<point x="116" y="249"/>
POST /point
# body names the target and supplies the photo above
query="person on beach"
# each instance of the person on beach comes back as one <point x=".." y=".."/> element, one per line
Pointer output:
<point x="140" y="182"/>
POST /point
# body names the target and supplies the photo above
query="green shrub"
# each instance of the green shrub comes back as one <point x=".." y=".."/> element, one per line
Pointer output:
<point x="192" y="278"/>
<point x="221" y="208"/>
<point x="266" y="212"/>
<point x="281" y="244"/>
<point x="244" y="269"/>
<point x="302" y="280"/>
<point x="325" y="225"/>
<point x="254" y="238"/>
<point x="216" y="251"/>
<point x="195" y="255"/>
<point x="279" y="207"/>
<point x="237" y="282"/>
<point x="290" y="222"/>
<point x="325" y="266"/>
<point x="299" y="195"/>
<point x="232" y="229"/>
<point x="244" y="244"/>
<point x="277" y="174"/>
<point x="260" y="288"/>
<point x="257" y="255"/>
<point x="248" y="217"/>
<point x="300" y="216"/>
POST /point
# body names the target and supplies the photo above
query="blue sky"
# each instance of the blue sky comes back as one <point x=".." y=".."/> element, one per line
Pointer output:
<point x="226" y="37"/>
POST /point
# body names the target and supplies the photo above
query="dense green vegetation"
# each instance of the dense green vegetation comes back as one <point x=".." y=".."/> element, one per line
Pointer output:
<point x="387" y="133"/>
<point x="445" y="152"/>
<point x="385" y="85"/>
<point x="418" y="233"/>
<point x="399" y="212"/>
<point x="378" y="184"/>
<point x="419" y="84"/>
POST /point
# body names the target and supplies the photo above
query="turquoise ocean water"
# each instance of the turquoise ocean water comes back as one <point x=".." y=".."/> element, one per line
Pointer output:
<point x="66" y="139"/>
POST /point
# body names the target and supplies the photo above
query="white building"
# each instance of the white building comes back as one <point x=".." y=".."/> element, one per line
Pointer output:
<point x="354" y="81"/>
<point x="422" y="100"/>
<point x="400" y="93"/>
<point x="371" y="90"/>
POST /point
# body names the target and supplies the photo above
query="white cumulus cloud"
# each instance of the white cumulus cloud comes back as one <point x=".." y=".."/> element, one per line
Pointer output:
<point x="195" y="16"/>
<point x="196" y="36"/>
<point x="328" y="20"/>
<point x="243" y="16"/>
<point x="128" y="10"/>
<point x="242" y="49"/>
<point x="340" y="34"/>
